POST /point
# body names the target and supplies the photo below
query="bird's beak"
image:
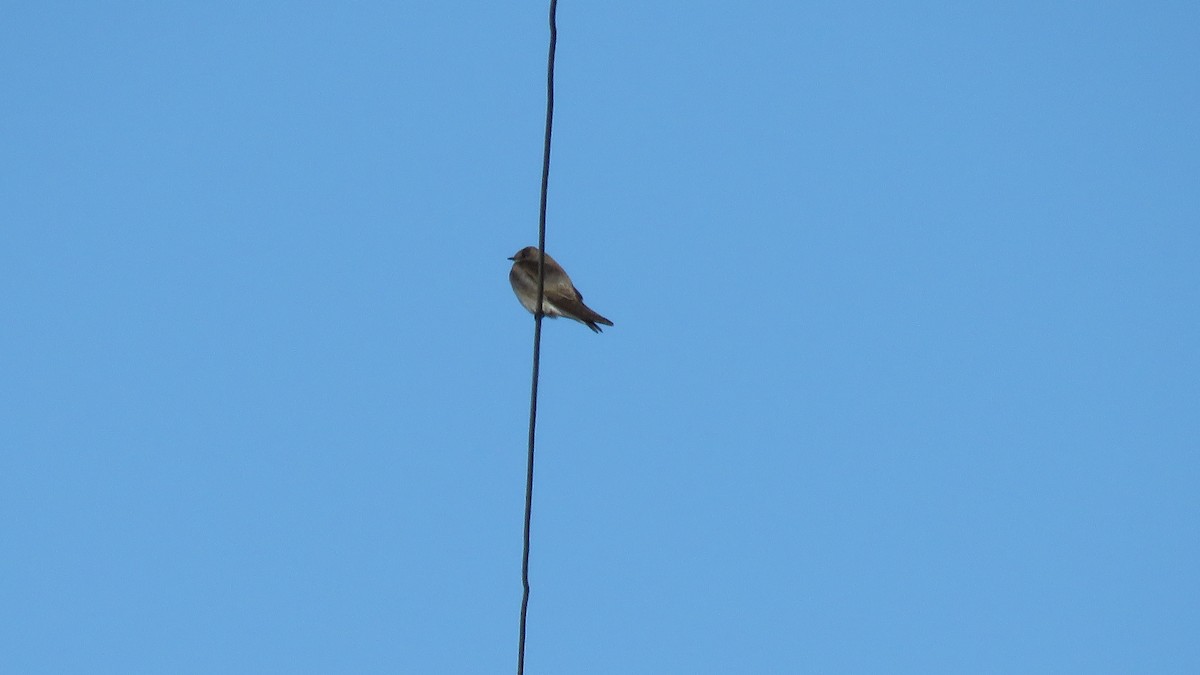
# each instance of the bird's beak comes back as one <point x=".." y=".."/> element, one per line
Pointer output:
<point x="513" y="258"/>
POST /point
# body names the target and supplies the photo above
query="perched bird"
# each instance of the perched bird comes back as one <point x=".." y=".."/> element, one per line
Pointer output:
<point x="559" y="295"/>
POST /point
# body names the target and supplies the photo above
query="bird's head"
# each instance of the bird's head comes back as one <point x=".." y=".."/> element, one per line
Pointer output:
<point x="527" y="253"/>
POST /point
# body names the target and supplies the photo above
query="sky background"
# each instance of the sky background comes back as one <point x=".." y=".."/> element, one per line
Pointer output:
<point x="905" y="376"/>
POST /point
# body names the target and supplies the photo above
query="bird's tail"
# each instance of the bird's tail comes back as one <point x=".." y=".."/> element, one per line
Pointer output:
<point x="591" y="318"/>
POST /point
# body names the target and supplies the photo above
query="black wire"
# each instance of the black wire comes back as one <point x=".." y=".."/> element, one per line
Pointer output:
<point x="537" y="332"/>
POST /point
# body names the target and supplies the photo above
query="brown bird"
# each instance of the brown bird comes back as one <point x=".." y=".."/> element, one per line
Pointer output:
<point x="559" y="295"/>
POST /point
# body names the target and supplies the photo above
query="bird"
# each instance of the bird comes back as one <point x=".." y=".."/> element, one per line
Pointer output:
<point x="559" y="295"/>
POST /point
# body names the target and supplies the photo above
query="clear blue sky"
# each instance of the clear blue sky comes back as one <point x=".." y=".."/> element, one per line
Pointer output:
<point x="904" y="376"/>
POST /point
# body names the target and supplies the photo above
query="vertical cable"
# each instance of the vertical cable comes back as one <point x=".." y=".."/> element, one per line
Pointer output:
<point x="537" y="333"/>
